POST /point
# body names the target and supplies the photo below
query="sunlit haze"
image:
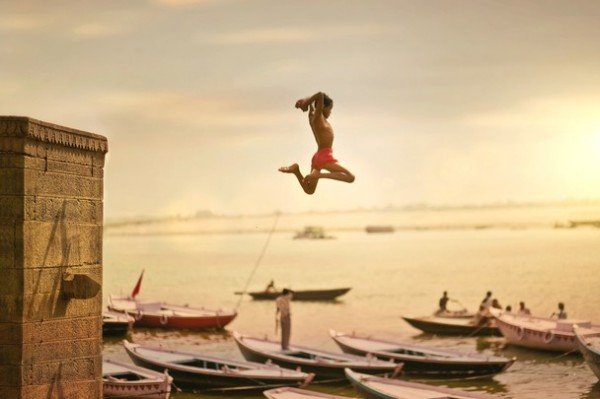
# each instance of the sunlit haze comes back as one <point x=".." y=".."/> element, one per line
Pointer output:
<point x="438" y="102"/>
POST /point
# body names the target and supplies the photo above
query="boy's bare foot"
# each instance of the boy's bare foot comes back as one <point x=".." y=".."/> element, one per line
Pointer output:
<point x="289" y="169"/>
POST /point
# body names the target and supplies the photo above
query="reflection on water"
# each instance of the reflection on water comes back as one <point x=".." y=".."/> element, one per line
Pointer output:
<point x="391" y="275"/>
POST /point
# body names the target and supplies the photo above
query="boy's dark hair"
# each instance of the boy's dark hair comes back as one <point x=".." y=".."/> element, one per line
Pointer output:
<point x="327" y="101"/>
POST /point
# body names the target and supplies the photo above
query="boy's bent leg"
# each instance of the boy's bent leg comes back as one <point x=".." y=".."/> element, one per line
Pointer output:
<point x="337" y="172"/>
<point x="309" y="184"/>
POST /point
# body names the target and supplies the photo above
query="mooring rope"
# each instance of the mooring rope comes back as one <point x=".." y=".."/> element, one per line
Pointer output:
<point x="262" y="254"/>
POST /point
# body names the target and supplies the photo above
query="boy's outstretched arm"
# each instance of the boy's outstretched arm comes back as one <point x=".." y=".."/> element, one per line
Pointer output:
<point x="304" y="103"/>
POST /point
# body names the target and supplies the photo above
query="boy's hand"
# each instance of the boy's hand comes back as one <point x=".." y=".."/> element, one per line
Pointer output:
<point x="302" y="105"/>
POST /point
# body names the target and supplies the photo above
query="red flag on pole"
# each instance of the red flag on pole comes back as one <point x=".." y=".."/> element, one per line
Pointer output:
<point x="136" y="289"/>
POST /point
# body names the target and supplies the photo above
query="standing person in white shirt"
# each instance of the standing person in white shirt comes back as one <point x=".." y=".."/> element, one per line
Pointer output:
<point x="283" y="311"/>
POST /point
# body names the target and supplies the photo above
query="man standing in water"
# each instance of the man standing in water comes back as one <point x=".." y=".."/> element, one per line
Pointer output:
<point x="319" y="106"/>
<point x="283" y="311"/>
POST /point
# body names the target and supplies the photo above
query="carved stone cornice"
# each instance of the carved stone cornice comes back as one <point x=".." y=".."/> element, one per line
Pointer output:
<point x="23" y="126"/>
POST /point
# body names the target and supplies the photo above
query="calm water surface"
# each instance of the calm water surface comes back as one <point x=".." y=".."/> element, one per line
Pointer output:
<point x="401" y="273"/>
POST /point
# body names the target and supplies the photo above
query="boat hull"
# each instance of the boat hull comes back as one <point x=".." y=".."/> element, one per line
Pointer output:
<point x="216" y="375"/>
<point x="167" y="316"/>
<point x="323" y="370"/>
<point x="303" y="295"/>
<point x="591" y="352"/>
<point x="451" y="326"/>
<point x="540" y="333"/>
<point x="120" y="380"/>
<point x="372" y="387"/>
<point x="426" y="362"/>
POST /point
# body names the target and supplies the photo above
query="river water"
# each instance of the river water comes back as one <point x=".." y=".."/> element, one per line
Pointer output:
<point x="203" y="262"/>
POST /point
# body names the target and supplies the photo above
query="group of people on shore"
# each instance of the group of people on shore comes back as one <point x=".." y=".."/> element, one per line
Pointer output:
<point x="488" y="303"/>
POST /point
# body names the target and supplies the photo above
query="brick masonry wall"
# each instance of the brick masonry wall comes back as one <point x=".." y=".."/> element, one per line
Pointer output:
<point x="51" y="212"/>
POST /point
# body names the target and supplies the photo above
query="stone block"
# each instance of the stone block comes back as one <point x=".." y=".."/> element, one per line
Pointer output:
<point x="62" y="329"/>
<point x="61" y="185"/>
<point x="7" y="244"/>
<point x="67" y="210"/>
<point x="10" y="333"/>
<point x="60" y="244"/>
<point x="64" y="390"/>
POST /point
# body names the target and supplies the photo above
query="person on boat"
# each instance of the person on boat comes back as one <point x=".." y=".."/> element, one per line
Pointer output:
<point x="487" y="301"/>
<point x="443" y="303"/>
<point x="283" y="311"/>
<point x="270" y="287"/>
<point x="319" y="107"/>
<point x="495" y="304"/>
<point x="523" y="310"/>
<point x="562" y="314"/>
<point x="508" y="309"/>
<point x="482" y="316"/>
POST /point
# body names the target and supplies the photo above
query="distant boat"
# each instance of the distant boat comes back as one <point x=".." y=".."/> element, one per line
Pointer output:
<point x="423" y="360"/>
<point x="198" y="371"/>
<point x="379" y="229"/>
<point x="589" y="345"/>
<point x="312" y="233"/>
<point x="127" y="380"/>
<point x="541" y="333"/>
<point x="164" y="315"/>
<point x="374" y="387"/>
<point x="298" y="393"/>
<point x="325" y="365"/>
<point x="301" y="295"/>
<point x="115" y="323"/>
<point x="453" y="326"/>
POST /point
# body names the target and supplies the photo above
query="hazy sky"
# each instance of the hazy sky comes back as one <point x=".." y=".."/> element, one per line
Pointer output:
<point x="443" y="102"/>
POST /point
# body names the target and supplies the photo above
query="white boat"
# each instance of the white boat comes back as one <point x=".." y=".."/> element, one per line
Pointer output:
<point x="541" y="333"/>
<point x="297" y="393"/>
<point x="589" y="345"/>
<point x="196" y="370"/>
<point x="127" y="380"/>
<point x="324" y="364"/>
<point x="420" y="359"/>
<point x="374" y="387"/>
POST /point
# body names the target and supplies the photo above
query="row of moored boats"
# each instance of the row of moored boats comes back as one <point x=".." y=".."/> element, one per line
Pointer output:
<point x="376" y="367"/>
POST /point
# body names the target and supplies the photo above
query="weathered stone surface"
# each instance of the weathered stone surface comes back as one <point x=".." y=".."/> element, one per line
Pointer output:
<point x="7" y="245"/>
<point x="64" y="389"/>
<point x="51" y="189"/>
<point x="60" y="244"/>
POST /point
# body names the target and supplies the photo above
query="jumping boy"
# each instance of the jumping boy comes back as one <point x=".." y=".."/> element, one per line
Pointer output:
<point x="319" y="106"/>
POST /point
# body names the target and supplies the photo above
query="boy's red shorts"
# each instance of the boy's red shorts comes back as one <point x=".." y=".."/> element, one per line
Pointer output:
<point x="323" y="157"/>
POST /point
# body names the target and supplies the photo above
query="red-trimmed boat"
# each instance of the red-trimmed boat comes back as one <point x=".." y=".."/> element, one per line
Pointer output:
<point x="130" y="381"/>
<point x="541" y="333"/>
<point x="157" y="314"/>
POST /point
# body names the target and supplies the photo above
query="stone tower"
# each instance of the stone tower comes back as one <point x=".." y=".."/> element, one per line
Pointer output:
<point x="51" y="210"/>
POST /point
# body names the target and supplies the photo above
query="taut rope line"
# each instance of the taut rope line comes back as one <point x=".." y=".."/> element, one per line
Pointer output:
<point x="262" y="254"/>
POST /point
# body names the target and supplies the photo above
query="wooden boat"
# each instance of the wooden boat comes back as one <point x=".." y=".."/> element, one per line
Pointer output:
<point x="127" y="380"/>
<point x="297" y="393"/>
<point x="165" y="315"/>
<point x="422" y="360"/>
<point x="115" y="323"/>
<point x="588" y="342"/>
<point x="325" y="365"/>
<point x="453" y="326"/>
<point x="539" y="332"/>
<point x="197" y="371"/>
<point x="375" y="387"/>
<point x="301" y="295"/>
